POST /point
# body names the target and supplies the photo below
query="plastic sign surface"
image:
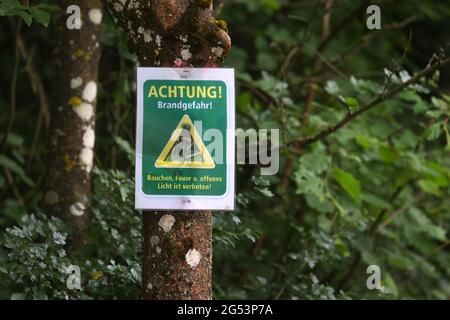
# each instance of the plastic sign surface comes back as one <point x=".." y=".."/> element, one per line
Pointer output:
<point x="185" y="139"/>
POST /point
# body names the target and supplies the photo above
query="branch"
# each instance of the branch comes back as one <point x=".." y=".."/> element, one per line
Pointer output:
<point x="403" y="208"/>
<point x="372" y="103"/>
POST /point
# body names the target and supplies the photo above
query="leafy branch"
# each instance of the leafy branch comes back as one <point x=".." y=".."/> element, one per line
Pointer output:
<point x="39" y="13"/>
<point x="385" y="95"/>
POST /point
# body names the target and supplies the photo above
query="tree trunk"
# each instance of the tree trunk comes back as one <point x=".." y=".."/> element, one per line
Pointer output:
<point x="74" y="90"/>
<point x="175" y="33"/>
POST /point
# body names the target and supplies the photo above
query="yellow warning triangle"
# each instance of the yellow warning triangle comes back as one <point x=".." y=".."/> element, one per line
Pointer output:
<point x="185" y="125"/>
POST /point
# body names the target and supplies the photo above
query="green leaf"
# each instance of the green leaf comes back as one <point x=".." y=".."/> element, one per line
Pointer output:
<point x="348" y="182"/>
<point x="125" y="146"/>
<point x="18" y="296"/>
<point x="439" y="175"/>
<point x="434" y="131"/>
<point x="426" y="225"/>
<point x="271" y="4"/>
<point x="375" y="201"/>
<point x="324" y="223"/>
<point x="15" y="140"/>
<point x="243" y="102"/>
<point x="308" y="182"/>
<point x="265" y="192"/>
<point x="400" y="261"/>
<point x="322" y="205"/>
<point x="430" y="187"/>
<point x="352" y="102"/>
<point x="39" y="13"/>
<point x="26" y="17"/>
<point x="388" y="154"/>
<point x="411" y="96"/>
<point x="405" y="140"/>
<point x="439" y="103"/>
<point x="14" y="167"/>
<point x="332" y="87"/>
<point x="7" y="7"/>
<point x="40" y="16"/>
<point x="261" y="181"/>
<point x="342" y="248"/>
<point x="365" y="141"/>
<point x="10" y="164"/>
<point x="447" y="137"/>
<point x="48" y="7"/>
<point x="316" y="161"/>
<point x="389" y="283"/>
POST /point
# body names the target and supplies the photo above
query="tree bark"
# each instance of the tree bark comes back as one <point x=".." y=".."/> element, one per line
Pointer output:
<point x="74" y="93"/>
<point x="177" y="260"/>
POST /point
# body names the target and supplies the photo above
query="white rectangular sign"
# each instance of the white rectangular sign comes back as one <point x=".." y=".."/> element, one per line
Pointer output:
<point x="185" y="139"/>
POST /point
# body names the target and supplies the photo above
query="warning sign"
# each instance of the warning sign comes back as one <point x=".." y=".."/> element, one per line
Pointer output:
<point x="185" y="139"/>
<point x="191" y="154"/>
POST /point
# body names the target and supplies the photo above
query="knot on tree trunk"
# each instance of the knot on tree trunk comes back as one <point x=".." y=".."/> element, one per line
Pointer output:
<point x="173" y="33"/>
<point x="169" y="12"/>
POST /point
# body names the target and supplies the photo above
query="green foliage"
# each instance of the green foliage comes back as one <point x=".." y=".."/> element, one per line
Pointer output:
<point x="373" y="192"/>
<point x="109" y="261"/>
<point x="39" y="244"/>
<point x="39" y="13"/>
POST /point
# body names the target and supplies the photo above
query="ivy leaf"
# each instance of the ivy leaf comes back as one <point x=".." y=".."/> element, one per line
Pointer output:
<point x="349" y="183"/>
